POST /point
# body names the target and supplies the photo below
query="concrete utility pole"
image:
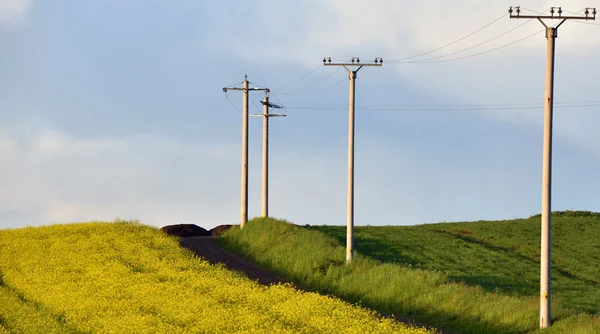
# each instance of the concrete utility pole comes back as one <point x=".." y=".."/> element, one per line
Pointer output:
<point x="551" y="34"/>
<point x="244" y="192"/>
<point x="350" y="206"/>
<point x="265" y="171"/>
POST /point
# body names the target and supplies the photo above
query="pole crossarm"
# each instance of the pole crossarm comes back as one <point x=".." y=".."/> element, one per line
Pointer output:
<point x="354" y="62"/>
<point x="269" y="115"/>
<point x="225" y="89"/>
<point x="553" y="10"/>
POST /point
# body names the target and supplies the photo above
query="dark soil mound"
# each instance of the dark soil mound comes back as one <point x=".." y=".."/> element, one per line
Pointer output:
<point x="218" y="230"/>
<point x="186" y="230"/>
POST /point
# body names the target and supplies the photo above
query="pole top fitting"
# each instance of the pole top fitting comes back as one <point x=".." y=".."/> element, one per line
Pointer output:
<point x="517" y="9"/>
<point x="587" y="12"/>
<point x="225" y="89"/>
<point x="551" y="32"/>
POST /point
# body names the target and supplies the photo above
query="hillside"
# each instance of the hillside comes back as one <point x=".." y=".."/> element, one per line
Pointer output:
<point x="125" y="277"/>
<point x="477" y="277"/>
<point x="501" y="255"/>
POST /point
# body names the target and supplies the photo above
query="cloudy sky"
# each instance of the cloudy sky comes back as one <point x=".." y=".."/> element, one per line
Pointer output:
<point x="115" y="109"/>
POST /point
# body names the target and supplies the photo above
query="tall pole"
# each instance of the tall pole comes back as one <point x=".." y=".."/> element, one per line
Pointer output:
<point x="244" y="185"/>
<point x="545" y="265"/>
<point x="545" y="279"/>
<point x="350" y="200"/>
<point x="244" y="189"/>
<point x="265" y="170"/>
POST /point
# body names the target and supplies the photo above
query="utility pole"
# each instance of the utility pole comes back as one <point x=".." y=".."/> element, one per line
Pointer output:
<point x="265" y="170"/>
<point x="551" y="35"/>
<point x="244" y="191"/>
<point x="350" y="204"/>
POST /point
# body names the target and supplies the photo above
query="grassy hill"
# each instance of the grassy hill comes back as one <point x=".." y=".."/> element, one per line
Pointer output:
<point x="124" y="277"/>
<point x="474" y="277"/>
<point x="497" y="255"/>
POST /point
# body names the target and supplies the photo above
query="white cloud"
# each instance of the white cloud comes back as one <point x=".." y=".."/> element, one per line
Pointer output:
<point x="162" y="180"/>
<point x="12" y="12"/>
<point x="153" y="178"/>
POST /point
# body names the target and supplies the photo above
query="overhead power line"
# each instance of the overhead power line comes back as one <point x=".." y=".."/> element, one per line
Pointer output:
<point x="476" y="45"/>
<point x="311" y="85"/>
<point x="298" y="80"/>
<point x="466" y="107"/>
<point x="319" y="90"/>
<point x="233" y="104"/>
<point x="479" y="53"/>
<point x="449" y="44"/>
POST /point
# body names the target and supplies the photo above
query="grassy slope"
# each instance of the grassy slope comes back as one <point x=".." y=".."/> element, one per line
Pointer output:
<point x="128" y="278"/>
<point x="314" y="259"/>
<point x="500" y="255"/>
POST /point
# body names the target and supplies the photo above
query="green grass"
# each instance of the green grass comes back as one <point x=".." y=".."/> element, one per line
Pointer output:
<point x="125" y="277"/>
<point x="471" y="277"/>
<point x="500" y="255"/>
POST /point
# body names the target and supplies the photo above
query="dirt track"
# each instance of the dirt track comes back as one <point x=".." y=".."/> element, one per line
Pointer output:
<point x="208" y="249"/>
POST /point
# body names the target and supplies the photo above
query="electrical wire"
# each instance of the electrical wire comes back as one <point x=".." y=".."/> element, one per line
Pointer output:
<point x="442" y="108"/>
<point x="257" y="85"/>
<point x="573" y="13"/>
<point x="451" y="43"/>
<point x="455" y="106"/>
<point x="476" y="45"/>
<point x="302" y="78"/>
<point x="321" y="89"/>
<point x="313" y="84"/>
<point x="534" y="11"/>
<point x="235" y="84"/>
<point x="479" y="53"/>
<point x="584" y="22"/>
<point x="233" y="104"/>
<point x="258" y="111"/>
<point x="279" y="100"/>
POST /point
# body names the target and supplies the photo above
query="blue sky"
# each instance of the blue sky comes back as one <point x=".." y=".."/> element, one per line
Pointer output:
<point x="115" y="109"/>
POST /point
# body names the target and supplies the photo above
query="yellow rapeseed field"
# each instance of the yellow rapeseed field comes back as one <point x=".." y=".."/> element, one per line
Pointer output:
<point x="124" y="277"/>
